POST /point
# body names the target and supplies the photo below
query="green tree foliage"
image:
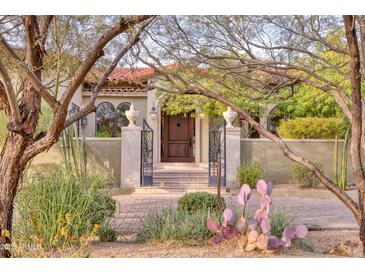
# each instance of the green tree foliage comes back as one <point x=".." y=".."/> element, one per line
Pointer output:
<point x="310" y="102"/>
<point x="174" y="104"/>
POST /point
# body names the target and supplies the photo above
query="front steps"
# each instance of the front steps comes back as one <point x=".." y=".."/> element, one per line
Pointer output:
<point x="175" y="178"/>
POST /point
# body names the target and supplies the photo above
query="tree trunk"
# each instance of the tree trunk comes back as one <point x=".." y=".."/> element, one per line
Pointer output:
<point x="356" y="125"/>
<point x="362" y="222"/>
<point x="10" y="170"/>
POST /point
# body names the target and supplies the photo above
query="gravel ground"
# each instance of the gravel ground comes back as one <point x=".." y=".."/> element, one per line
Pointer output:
<point x="322" y="241"/>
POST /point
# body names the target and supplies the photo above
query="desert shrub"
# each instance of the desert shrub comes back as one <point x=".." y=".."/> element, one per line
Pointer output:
<point x="280" y="219"/>
<point x="312" y="128"/>
<point x="107" y="234"/>
<point x="59" y="208"/>
<point x="301" y="175"/>
<point x="172" y="224"/>
<point x="199" y="201"/>
<point x="249" y="173"/>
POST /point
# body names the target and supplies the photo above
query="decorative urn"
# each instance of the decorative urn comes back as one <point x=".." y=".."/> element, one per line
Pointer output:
<point x="132" y="115"/>
<point x="229" y="116"/>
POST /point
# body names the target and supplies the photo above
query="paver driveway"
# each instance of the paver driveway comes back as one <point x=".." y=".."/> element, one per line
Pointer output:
<point x="321" y="210"/>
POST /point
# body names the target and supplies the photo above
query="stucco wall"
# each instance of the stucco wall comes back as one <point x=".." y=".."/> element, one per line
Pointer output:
<point x="277" y="166"/>
<point x="140" y="104"/>
<point x="104" y="152"/>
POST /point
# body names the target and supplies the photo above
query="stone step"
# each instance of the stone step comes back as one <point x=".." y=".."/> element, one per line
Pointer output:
<point x="172" y="190"/>
<point x="180" y="172"/>
<point x="164" y="177"/>
<point x="180" y="185"/>
<point x="175" y="179"/>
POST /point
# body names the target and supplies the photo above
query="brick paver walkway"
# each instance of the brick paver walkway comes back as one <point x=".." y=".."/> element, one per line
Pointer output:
<point x="316" y="213"/>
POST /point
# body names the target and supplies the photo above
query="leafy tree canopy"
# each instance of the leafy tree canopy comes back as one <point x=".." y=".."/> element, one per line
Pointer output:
<point x="174" y="104"/>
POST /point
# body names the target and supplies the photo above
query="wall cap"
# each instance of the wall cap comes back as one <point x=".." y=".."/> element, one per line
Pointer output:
<point x="292" y="140"/>
<point x="102" y="139"/>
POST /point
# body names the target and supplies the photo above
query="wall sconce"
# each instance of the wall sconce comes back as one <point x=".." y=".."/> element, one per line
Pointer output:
<point x="84" y="121"/>
<point x="153" y="112"/>
<point x="201" y="114"/>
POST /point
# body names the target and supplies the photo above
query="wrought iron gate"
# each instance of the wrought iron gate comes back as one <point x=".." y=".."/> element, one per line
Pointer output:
<point x="217" y="154"/>
<point x="146" y="155"/>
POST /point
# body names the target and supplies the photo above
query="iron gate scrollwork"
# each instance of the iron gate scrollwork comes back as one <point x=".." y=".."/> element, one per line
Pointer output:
<point x="146" y="155"/>
<point x="217" y="154"/>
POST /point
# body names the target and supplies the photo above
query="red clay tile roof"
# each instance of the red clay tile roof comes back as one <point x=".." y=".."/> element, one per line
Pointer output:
<point x="127" y="74"/>
<point x="118" y="78"/>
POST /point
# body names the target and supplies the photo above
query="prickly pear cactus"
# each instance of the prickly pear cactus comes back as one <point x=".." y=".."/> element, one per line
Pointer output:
<point x="254" y="234"/>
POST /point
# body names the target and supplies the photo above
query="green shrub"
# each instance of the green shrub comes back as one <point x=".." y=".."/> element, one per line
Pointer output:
<point x="249" y="173"/>
<point x="59" y="208"/>
<point x="199" y="201"/>
<point x="107" y="234"/>
<point x="312" y="128"/>
<point x="301" y="175"/>
<point x="172" y="224"/>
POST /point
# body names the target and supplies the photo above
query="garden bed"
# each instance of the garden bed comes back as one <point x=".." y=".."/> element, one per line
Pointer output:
<point x="323" y="241"/>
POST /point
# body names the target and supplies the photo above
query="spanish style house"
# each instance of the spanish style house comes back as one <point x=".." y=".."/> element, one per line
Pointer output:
<point x="177" y="138"/>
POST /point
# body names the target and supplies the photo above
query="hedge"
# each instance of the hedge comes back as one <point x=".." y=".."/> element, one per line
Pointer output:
<point x="312" y="128"/>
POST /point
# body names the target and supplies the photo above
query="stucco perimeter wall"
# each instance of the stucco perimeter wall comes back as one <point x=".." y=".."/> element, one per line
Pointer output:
<point x="103" y="152"/>
<point x="278" y="168"/>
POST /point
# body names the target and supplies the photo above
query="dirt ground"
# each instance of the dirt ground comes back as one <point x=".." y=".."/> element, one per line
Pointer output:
<point x="322" y="241"/>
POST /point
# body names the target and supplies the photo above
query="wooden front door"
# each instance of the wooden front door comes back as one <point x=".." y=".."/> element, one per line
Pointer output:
<point x="177" y="138"/>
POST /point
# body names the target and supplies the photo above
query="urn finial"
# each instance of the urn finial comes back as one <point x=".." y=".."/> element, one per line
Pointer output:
<point x="229" y="116"/>
<point x="132" y="115"/>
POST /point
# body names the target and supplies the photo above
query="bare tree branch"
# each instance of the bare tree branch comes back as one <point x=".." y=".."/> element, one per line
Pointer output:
<point x="51" y="101"/>
<point x="15" y="114"/>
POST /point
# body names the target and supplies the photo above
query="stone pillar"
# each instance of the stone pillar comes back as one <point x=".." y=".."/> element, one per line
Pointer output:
<point x="131" y="157"/>
<point x="233" y="148"/>
<point x="233" y="155"/>
<point x="131" y="151"/>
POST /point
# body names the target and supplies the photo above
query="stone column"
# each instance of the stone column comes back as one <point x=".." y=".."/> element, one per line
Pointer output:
<point x="233" y="155"/>
<point x="131" y="157"/>
<point x="233" y="148"/>
<point x="131" y="152"/>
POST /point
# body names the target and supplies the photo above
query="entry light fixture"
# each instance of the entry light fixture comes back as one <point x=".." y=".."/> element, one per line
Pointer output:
<point x="202" y="115"/>
<point x="153" y="112"/>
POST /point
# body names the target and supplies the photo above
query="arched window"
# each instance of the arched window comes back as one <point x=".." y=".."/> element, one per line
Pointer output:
<point x="273" y="120"/>
<point x="105" y="120"/>
<point x="122" y="120"/>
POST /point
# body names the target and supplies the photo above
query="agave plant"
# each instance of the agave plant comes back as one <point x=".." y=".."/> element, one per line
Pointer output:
<point x="257" y="230"/>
